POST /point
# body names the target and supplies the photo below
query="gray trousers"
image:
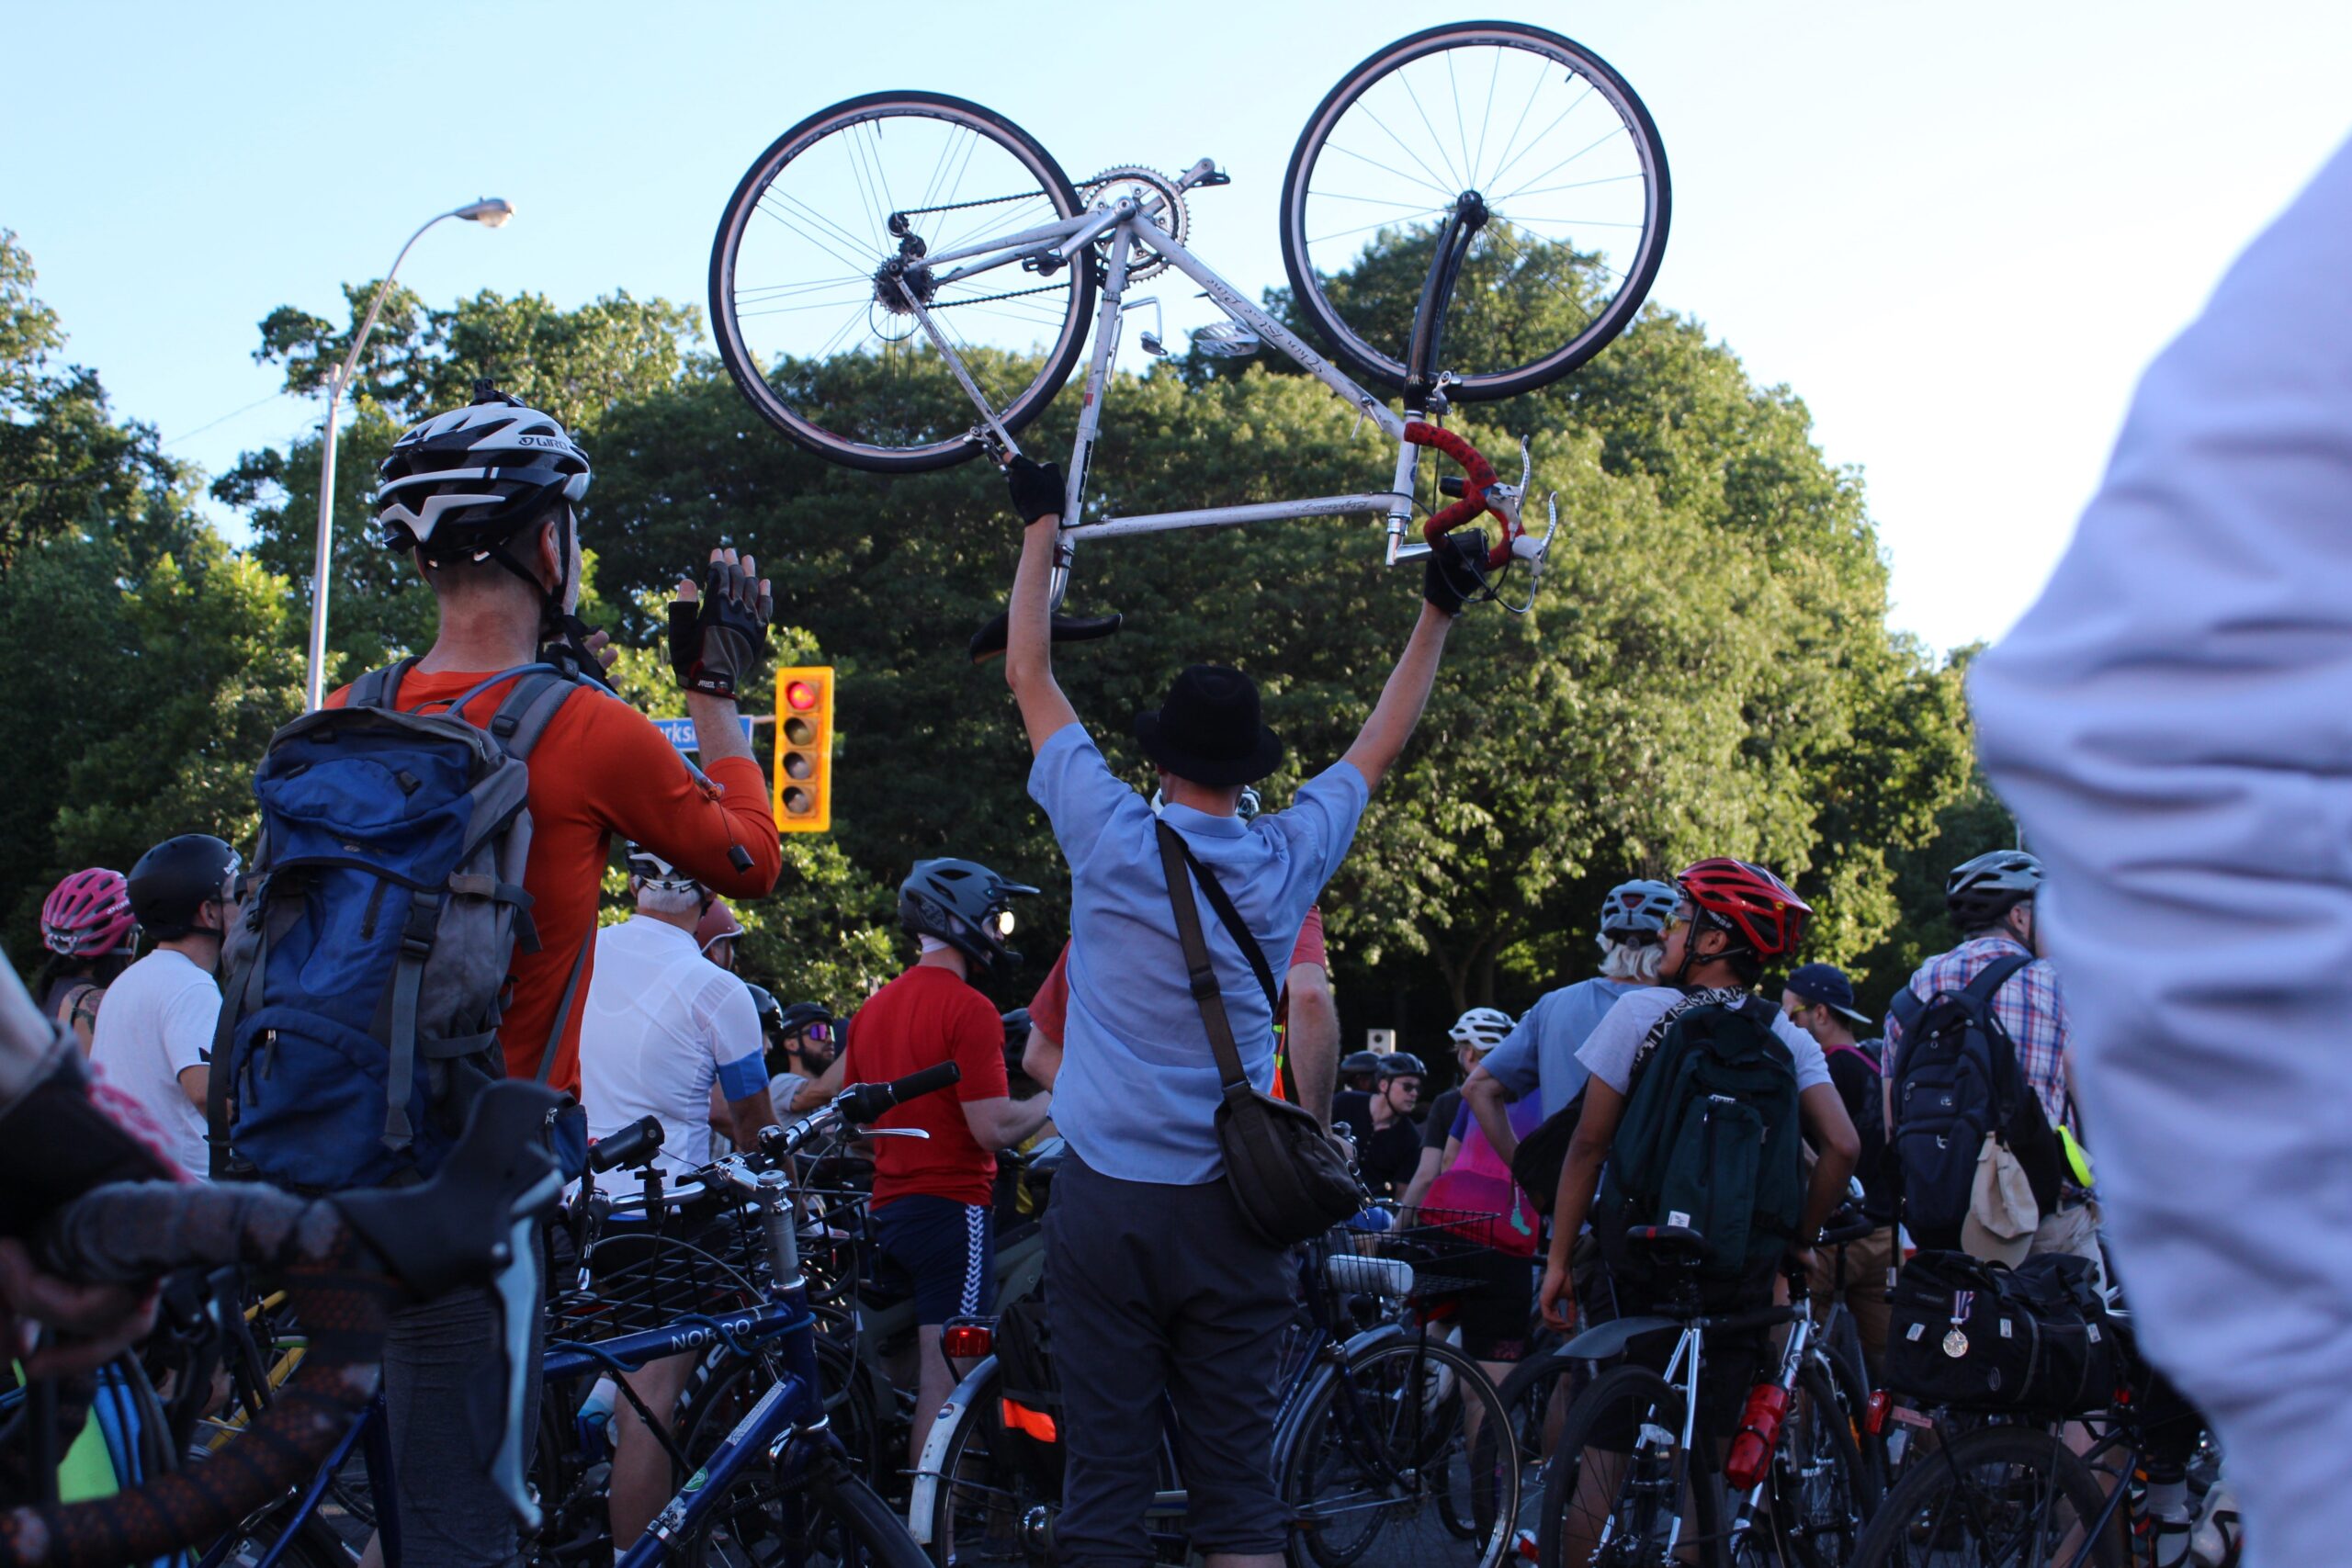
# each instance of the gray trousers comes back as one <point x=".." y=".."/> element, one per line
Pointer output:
<point x="1154" y="1290"/>
<point x="440" y="1362"/>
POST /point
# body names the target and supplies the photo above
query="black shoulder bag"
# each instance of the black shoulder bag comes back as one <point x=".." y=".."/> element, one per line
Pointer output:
<point x="1292" y="1179"/>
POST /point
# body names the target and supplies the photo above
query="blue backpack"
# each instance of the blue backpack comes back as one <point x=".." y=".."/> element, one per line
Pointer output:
<point x="367" y="976"/>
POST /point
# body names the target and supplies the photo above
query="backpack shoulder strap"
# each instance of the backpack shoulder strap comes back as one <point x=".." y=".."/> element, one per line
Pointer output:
<point x="1989" y="980"/>
<point x="564" y="1010"/>
<point x="1907" y="1007"/>
<point x="526" y="710"/>
<point x="379" y="688"/>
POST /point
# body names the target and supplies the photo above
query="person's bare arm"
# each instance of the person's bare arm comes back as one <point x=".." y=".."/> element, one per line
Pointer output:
<point x="1002" y="1123"/>
<point x="1579" y="1176"/>
<point x="1029" y="634"/>
<point x="747" y="1116"/>
<point x="1433" y="1166"/>
<point x="818" y="1090"/>
<point x="196" y="1082"/>
<point x="1381" y="740"/>
<point x="1489" y="1105"/>
<point x="1314" y="1038"/>
<point x="1041" y="1059"/>
<point x="1837" y="1145"/>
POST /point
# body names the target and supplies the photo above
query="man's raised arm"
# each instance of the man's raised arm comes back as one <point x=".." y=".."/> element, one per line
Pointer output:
<point x="1029" y="633"/>
<point x="1382" y="738"/>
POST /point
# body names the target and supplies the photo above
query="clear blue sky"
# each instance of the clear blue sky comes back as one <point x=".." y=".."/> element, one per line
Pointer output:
<point x="1958" y="232"/>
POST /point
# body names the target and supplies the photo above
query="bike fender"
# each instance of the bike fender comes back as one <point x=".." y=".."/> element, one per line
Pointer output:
<point x="1604" y="1340"/>
<point x="962" y="1403"/>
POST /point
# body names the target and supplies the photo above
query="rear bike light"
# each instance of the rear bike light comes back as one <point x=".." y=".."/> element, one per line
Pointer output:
<point x="1874" y="1412"/>
<point x="968" y="1341"/>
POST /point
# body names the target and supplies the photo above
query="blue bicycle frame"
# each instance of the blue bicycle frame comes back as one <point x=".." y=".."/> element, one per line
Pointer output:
<point x="788" y="1426"/>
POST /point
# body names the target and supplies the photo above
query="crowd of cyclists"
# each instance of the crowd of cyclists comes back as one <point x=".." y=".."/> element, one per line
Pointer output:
<point x="203" y="990"/>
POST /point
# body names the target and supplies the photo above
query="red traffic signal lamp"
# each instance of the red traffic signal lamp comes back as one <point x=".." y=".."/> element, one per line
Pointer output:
<point x="804" y="749"/>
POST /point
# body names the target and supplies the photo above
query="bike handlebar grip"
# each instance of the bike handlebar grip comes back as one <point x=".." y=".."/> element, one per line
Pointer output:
<point x="1478" y="474"/>
<point x="633" y="1144"/>
<point x="864" y="1102"/>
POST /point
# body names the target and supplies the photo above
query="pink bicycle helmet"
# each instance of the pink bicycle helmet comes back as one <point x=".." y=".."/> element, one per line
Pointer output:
<point x="88" y="915"/>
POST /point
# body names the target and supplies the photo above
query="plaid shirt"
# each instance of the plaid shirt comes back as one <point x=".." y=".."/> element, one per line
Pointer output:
<point x="2027" y="1004"/>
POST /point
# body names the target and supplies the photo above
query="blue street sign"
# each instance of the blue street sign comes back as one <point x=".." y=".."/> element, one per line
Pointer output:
<point x="680" y="732"/>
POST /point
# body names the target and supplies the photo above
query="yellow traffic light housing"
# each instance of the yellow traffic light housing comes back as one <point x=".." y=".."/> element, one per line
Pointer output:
<point x="804" y="749"/>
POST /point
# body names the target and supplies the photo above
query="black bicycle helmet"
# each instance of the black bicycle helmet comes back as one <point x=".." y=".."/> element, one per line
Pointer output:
<point x="764" y="1003"/>
<point x="800" y="1015"/>
<point x="1363" y="1063"/>
<point x="962" y="903"/>
<point x="176" y="879"/>
<point x="1401" y="1064"/>
<point x="1980" y="891"/>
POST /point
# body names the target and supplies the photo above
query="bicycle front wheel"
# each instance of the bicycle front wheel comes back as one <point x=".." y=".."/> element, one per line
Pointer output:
<point x="2011" y="1495"/>
<point x="1390" y="1462"/>
<point x="759" y="1523"/>
<point x="1528" y="128"/>
<point x="806" y="274"/>
<point x="1620" y="1488"/>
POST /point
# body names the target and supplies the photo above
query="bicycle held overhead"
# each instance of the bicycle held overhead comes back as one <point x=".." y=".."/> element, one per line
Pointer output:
<point x="938" y="236"/>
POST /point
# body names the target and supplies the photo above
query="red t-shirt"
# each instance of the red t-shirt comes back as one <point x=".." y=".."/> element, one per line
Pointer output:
<point x="1049" y="1008"/>
<point x="925" y="1017"/>
<point x="601" y="770"/>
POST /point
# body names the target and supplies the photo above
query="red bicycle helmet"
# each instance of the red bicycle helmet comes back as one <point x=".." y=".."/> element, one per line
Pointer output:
<point x="88" y="915"/>
<point x="718" y="920"/>
<point x="1749" y="901"/>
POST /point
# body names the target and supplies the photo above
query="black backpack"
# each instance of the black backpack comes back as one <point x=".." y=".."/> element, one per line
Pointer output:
<point x="1956" y="1083"/>
<point x="1710" y="1140"/>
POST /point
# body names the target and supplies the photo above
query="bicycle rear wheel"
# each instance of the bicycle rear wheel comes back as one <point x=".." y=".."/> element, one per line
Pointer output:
<point x="1823" y="1493"/>
<point x="1532" y="128"/>
<point x="2011" y="1495"/>
<point x="816" y="333"/>
<point x="1385" y="1464"/>
<point x="1621" y="1489"/>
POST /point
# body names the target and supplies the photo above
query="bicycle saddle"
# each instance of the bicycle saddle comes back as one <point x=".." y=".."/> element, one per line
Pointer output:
<point x="1666" y="1244"/>
<point x="988" y="641"/>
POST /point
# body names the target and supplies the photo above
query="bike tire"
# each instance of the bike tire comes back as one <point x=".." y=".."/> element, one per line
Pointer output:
<point x="841" y="1522"/>
<point x="987" y="1508"/>
<point x="1379" y="1425"/>
<point x="1536" y="1396"/>
<point x="314" y="1543"/>
<point x="1350" y="332"/>
<point x="1916" y="1524"/>
<point x="924" y="430"/>
<point x="1627" y="1397"/>
<point x="1822" y="1493"/>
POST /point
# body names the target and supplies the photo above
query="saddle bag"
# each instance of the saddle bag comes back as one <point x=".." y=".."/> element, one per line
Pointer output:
<point x="1970" y="1335"/>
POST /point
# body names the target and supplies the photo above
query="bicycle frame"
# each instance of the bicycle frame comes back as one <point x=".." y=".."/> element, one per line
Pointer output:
<point x="1129" y="224"/>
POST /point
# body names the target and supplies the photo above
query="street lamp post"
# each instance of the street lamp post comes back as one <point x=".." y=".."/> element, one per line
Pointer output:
<point x="490" y="212"/>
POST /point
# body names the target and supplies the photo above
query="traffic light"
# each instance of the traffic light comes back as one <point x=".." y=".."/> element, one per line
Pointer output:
<point x="804" y="749"/>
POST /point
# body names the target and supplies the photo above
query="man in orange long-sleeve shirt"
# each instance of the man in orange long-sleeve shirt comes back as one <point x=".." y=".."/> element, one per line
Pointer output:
<point x="485" y="499"/>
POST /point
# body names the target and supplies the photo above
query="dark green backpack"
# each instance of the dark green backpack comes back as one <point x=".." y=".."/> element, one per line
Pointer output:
<point x="1710" y="1140"/>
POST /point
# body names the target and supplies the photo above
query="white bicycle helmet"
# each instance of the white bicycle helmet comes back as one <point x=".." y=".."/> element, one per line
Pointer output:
<point x="1481" y="1028"/>
<point x="466" y="481"/>
<point x="653" y="871"/>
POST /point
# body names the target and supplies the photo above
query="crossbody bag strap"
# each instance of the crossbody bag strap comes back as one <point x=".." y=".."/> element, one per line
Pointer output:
<point x="1198" y="970"/>
<point x="1228" y="917"/>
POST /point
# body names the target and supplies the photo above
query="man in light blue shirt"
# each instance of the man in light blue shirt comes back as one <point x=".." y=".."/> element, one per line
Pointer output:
<point x="1540" y="1053"/>
<point x="1158" y="1284"/>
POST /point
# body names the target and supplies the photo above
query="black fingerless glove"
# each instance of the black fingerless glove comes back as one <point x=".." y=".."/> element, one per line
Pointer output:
<point x="1450" y="575"/>
<point x="1037" y="489"/>
<point x="716" y="640"/>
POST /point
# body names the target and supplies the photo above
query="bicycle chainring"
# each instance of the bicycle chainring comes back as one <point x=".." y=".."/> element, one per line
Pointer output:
<point x="1174" y="217"/>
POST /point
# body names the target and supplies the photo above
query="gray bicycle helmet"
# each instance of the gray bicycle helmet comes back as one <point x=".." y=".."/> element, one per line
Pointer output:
<point x="1980" y="891"/>
<point x="962" y="903"/>
<point x="1636" y="912"/>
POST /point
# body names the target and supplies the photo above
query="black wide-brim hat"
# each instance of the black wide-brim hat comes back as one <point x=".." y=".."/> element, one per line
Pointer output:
<point x="1209" y="729"/>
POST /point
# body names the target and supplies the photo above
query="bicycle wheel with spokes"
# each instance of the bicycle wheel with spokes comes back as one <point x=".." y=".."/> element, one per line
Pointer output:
<point x="1384" y="1464"/>
<point x="1822" y="1492"/>
<point x="1621" y="1489"/>
<point x="806" y="274"/>
<point x="2007" y="1496"/>
<point x="1529" y="128"/>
